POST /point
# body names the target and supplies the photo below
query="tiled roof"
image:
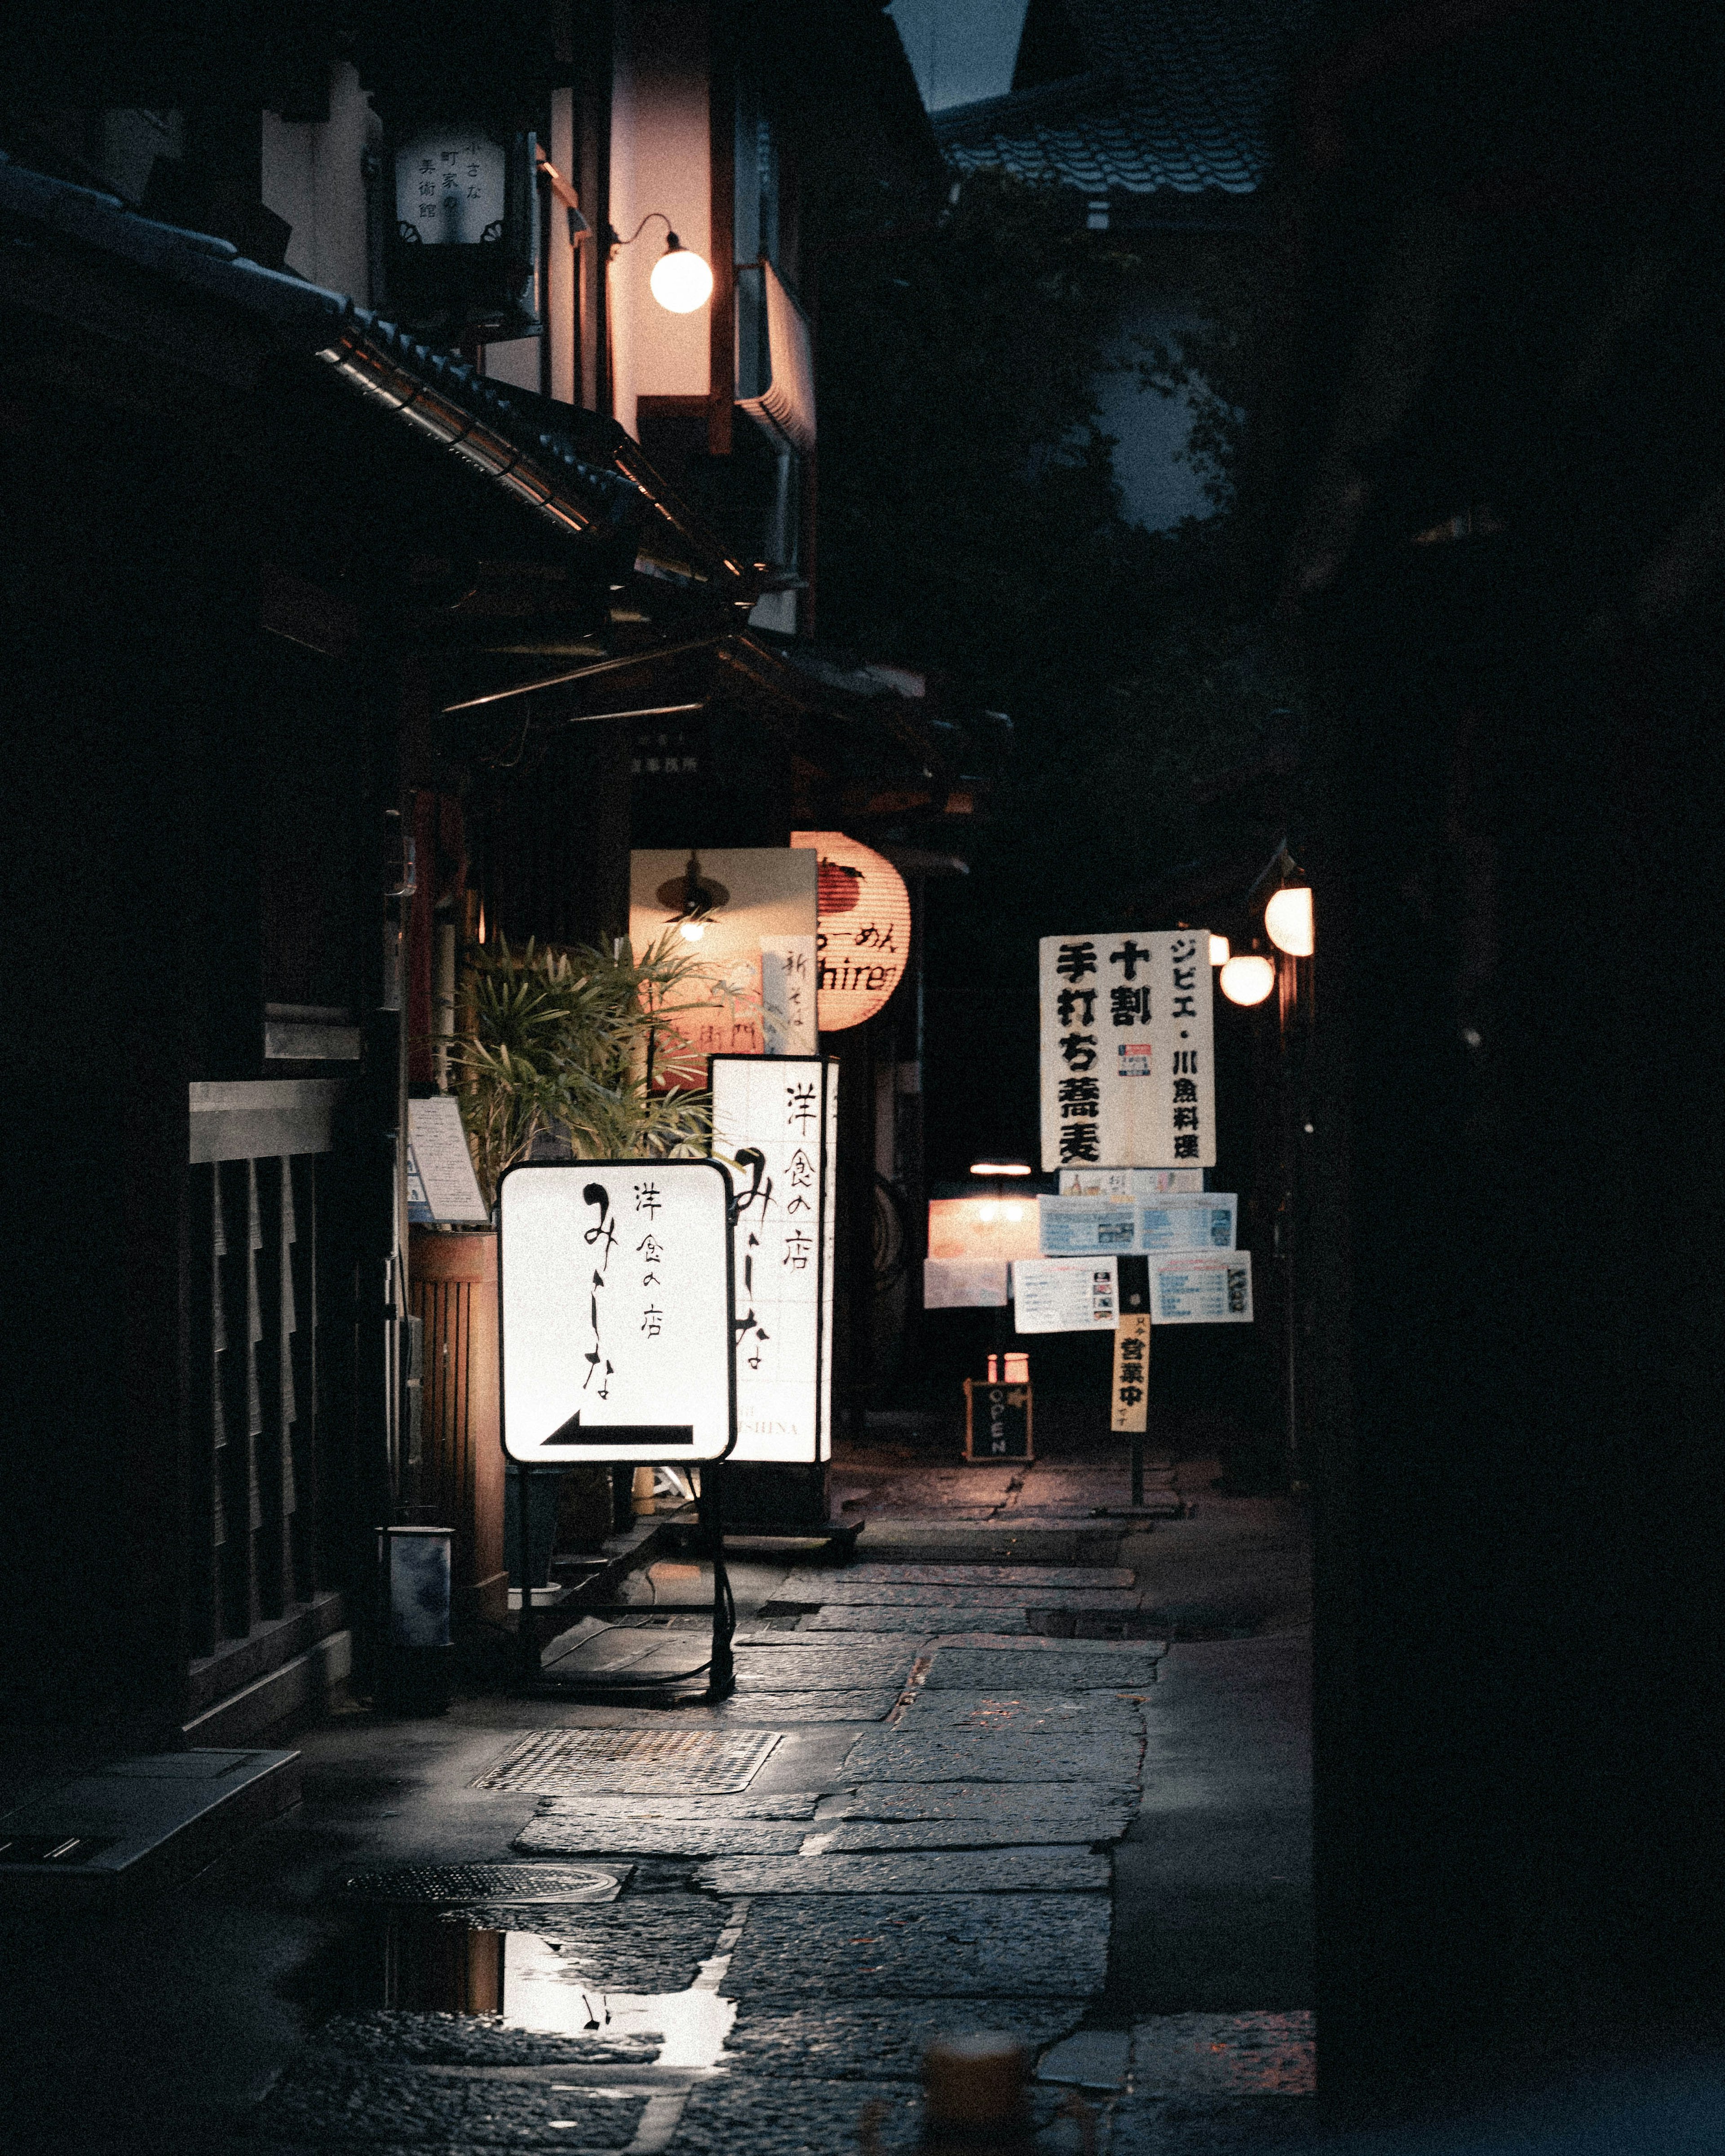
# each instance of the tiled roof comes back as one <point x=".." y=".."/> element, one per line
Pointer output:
<point x="1179" y="95"/>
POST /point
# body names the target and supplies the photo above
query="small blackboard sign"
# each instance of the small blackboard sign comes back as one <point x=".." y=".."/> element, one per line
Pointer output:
<point x="997" y="1420"/>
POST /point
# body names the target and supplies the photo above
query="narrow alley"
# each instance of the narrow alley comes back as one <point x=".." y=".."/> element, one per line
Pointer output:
<point x="1020" y="1767"/>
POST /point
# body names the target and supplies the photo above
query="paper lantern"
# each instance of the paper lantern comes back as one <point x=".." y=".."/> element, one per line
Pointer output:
<point x="1288" y="920"/>
<point x="1247" y="979"/>
<point x="863" y="935"/>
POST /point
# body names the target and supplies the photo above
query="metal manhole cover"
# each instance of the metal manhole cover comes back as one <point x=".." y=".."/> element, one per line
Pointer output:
<point x="488" y="1882"/>
<point x="628" y="1762"/>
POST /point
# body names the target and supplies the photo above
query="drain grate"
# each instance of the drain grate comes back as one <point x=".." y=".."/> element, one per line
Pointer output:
<point x="557" y="1763"/>
<point x="488" y="1882"/>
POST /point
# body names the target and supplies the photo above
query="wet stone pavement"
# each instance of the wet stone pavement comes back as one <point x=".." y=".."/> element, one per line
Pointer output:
<point x="925" y="1811"/>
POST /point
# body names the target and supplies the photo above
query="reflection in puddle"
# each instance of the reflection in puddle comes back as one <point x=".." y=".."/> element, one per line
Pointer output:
<point x="421" y="1961"/>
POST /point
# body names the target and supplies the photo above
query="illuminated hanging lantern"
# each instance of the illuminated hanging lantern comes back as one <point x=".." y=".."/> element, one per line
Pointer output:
<point x="1288" y="920"/>
<point x="863" y="939"/>
<point x="1219" y="951"/>
<point x="1247" y="979"/>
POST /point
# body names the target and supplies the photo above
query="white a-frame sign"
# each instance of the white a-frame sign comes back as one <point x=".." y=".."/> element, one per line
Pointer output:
<point x="617" y="1312"/>
<point x="776" y="1118"/>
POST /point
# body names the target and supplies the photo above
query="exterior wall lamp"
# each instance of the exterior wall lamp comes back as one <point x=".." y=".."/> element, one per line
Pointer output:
<point x="696" y="900"/>
<point x="1288" y="920"/>
<point x="682" y="280"/>
<point x="1248" y="979"/>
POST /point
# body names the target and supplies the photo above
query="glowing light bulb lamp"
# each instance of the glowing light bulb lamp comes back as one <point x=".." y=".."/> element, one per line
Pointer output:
<point x="1288" y="920"/>
<point x="681" y="280"/>
<point x="1247" y="979"/>
<point x="1219" y="951"/>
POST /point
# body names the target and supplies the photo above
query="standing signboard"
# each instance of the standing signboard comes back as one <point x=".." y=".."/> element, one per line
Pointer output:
<point x="775" y="1119"/>
<point x="1128" y="1073"/>
<point x="617" y="1312"/>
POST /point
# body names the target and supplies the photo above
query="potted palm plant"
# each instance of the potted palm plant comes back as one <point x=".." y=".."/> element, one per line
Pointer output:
<point x="570" y="1048"/>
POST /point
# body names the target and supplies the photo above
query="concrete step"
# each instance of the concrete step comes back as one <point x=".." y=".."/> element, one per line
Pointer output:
<point x="137" y="1825"/>
<point x="992" y="1541"/>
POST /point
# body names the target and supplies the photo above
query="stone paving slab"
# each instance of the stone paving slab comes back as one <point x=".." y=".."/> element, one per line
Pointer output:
<point x="984" y="1800"/>
<point x="390" y="2036"/>
<point x="1211" y="2126"/>
<point x="721" y="1805"/>
<point x="1058" y="1869"/>
<point x="766" y="1710"/>
<point x="1068" y="1827"/>
<point x="567" y="1836"/>
<point x="331" y="2103"/>
<point x="902" y="1754"/>
<point x="991" y="1575"/>
<point x="930" y="1623"/>
<point x="831" y="1639"/>
<point x="1226" y="2055"/>
<point x="1024" y="1712"/>
<point x="920" y="1540"/>
<point x="878" y="2039"/>
<point x="808" y="1669"/>
<point x="1059" y="1667"/>
<point x="822" y="2118"/>
<point x="836" y="1592"/>
<point x="922" y="1946"/>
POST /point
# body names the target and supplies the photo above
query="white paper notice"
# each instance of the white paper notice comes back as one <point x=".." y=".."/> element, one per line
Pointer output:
<point x="1195" y="1289"/>
<point x="964" y="1283"/>
<point x="1064" y="1295"/>
<point x="443" y="1189"/>
<point x="788" y="983"/>
<point x="1072" y="1226"/>
<point x="1180" y="1221"/>
<point x="1127" y="1068"/>
<point x="1127" y="1182"/>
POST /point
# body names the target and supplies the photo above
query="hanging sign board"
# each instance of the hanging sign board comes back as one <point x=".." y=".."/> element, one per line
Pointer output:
<point x="1127" y="1068"/>
<point x="1193" y="1287"/>
<point x="615" y="1293"/>
<point x="1129" y="1412"/>
<point x="1065" y="1295"/>
<point x="788" y="972"/>
<point x="1127" y="1182"/>
<point x="777" y="1119"/>
<point x="442" y="1190"/>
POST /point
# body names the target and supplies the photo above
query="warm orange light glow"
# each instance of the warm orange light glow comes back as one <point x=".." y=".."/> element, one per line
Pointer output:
<point x="681" y="280"/>
<point x="864" y="931"/>
<point x="1288" y="920"/>
<point x="1219" y="950"/>
<point x="1247" y="980"/>
<point x="1000" y="1168"/>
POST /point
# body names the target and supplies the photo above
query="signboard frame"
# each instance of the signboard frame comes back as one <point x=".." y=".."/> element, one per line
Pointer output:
<point x="826" y="1070"/>
<point x="618" y="1448"/>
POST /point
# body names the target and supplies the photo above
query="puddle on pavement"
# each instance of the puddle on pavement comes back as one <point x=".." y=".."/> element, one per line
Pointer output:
<point x="434" y="1960"/>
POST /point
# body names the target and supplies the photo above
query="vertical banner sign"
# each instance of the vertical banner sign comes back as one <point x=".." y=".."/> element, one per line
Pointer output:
<point x="1127" y="1074"/>
<point x="615" y="1297"/>
<point x="1132" y="1372"/>
<point x="776" y="1119"/>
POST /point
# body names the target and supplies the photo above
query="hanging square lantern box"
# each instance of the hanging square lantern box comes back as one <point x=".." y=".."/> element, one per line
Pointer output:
<point x="461" y="215"/>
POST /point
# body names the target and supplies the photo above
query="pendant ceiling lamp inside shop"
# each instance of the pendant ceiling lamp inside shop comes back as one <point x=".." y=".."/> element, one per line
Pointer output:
<point x="1288" y="920"/>
<point x="1247" y="979"/>
<point x="865" y="929"/>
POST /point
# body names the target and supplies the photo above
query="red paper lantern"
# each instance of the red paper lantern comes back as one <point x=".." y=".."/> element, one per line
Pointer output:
<point x="864" y="942"/>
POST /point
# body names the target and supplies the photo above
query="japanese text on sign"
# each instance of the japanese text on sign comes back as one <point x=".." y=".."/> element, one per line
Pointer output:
<point x="616" y="1306"/>
<point x="1127" y="1076"/>
<point x="776" y="1119"/>
<point x="1130" y="1411"/>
